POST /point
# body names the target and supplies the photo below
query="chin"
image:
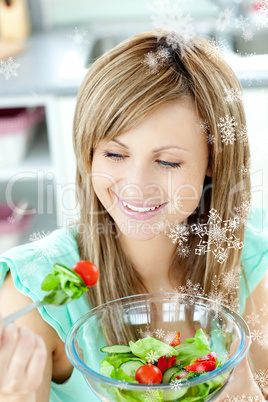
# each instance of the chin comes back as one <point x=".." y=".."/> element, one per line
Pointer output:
<point x="140" y="231"/>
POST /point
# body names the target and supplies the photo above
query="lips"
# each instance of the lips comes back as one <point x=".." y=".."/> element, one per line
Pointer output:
<point x="142" y="212"/>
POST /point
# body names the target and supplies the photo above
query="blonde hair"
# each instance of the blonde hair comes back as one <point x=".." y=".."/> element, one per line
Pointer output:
<point x="118" y="92"/>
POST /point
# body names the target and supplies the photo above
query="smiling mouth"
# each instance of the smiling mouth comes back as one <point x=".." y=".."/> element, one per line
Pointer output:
<point x="140" y="209"/>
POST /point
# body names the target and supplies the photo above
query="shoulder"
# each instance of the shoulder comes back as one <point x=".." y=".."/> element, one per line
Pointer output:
<point x="37" y="257"/>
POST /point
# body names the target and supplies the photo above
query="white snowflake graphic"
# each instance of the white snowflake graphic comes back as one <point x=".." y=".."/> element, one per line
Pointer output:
<point x="264" y="341"/>
<point x="256" y="335"/>
<point x="169" y="19"/>
<point x="176" y="384"/>
<point x="261" y="378"/>
<point x="231" y="280"/>
<point x="174" y="205"/>
<point x="216" y="49"/>
<point x="151" y="60"/>
<point x="219" y="238"/>
<point x="224" y="18"/>
<point x="211" y="139"/>
<point x="167" y="339"/>
<point x="248" y="35"/>
<point x="234" y="223"/>
<point x="216" y="298"/>
<point x="243" y="135"/>
<point x="152" y="356"/>
<point x="191" y="289"/>
<point x="243" y="22"/>
<point x="43" y="246"/>
<point x="78" y="37"/>
<point x="253" y="319"/>
<point x="159" y="333"/>
<point x="204" y="125"/>
<point x="156" y="59"/>
<point x="224" y="357"/>
<point x="242" y="398"/>
<point x="243" y="210"/>
<point x="227" y="127"/>
<point x="179" y="234"/>
<point x="8" y="68"/>
<point x="264" y="309"/>
<point x="233" y="95"/>
<point x="245" y="169"/>
<point x="148" y="333"/>
<point x="152" y="396"/>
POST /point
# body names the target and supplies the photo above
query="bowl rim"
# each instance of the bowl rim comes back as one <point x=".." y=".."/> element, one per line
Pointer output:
<point x="226" y="367"/>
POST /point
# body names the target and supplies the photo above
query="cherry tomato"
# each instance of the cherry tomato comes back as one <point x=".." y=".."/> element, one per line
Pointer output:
<point x="88" y="272"/>
<point x="148" y="374"/>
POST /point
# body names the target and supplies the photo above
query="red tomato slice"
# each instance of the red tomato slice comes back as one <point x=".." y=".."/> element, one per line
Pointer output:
<point x="88" y="272"/>
<point x="202" y="366"/>
<point x="176" y="341"/>
<point x="162" y="363"/>
<point x="210" y="356"/>
<point x="148" y="374"/>
<point x="171" y="361"/>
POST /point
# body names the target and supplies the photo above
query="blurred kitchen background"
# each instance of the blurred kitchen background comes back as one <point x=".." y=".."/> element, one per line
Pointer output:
<point x="46" y="47"/>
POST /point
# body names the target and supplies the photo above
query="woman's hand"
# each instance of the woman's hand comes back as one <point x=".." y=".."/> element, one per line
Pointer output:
<point x="241" y="384"/>
<point x="23" y="357"/>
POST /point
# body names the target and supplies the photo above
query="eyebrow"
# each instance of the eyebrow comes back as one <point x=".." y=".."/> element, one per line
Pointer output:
<point x="154" y="150"/>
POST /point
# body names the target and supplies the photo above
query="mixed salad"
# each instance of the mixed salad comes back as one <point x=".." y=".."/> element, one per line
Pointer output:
<point x="151" y="361"/>
<point x="66" y="284"/>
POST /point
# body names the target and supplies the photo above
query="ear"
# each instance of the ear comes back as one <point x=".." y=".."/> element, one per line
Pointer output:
<point x="209" y="171"/>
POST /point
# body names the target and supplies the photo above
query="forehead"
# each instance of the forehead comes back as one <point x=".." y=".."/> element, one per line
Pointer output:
<point x="174" y="122"/>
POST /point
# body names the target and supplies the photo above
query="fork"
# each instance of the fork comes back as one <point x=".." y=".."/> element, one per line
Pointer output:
<point x="24" y="310"/>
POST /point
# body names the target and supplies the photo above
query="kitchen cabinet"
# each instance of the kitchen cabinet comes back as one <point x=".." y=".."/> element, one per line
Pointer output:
<point x="38" y="176"/>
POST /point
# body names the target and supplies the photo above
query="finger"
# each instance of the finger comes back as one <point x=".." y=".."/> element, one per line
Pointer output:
<point x="9" y="340"/>
<point x="36" y="365"/>
<point x="22" y="354"/>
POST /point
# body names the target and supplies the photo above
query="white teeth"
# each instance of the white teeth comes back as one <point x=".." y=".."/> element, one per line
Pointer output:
<point x="139" y="209"/>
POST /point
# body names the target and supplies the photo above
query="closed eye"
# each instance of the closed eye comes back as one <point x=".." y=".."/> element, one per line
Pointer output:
<point x="164" y="164"/>
<point x="113" y="156"/>
<point x="169" y="164"/>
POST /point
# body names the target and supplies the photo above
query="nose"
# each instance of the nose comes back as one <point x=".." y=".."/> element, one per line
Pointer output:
<point x="141" y="184"/>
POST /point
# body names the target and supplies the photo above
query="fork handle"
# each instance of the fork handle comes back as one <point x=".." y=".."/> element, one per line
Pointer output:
<point x="19" y="313"/>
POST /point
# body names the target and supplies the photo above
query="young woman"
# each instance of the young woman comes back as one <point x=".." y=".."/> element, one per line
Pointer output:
<point x="159" y="151"/>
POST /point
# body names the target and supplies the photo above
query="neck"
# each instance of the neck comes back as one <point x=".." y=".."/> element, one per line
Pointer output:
<point x="151" y="259"/>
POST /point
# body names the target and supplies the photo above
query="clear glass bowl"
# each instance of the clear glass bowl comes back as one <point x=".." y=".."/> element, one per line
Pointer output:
<point x="160" y="315"/>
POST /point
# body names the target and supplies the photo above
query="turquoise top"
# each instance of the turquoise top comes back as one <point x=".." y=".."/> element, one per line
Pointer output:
<point x="30" y="263"/>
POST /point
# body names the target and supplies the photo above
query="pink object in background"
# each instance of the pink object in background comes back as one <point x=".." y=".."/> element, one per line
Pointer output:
<point x="16" y="127"/>
<point x="12" y="229"/>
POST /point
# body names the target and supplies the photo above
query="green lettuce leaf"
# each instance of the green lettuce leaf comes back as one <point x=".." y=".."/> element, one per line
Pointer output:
<point x="144" y="347"/>
<point x="192" y="348"/>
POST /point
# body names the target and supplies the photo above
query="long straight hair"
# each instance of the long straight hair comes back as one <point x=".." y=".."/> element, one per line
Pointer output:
<point x="118" y="92"/>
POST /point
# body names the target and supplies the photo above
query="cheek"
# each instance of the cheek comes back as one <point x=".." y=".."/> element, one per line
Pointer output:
<point x="186" y="193"/>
